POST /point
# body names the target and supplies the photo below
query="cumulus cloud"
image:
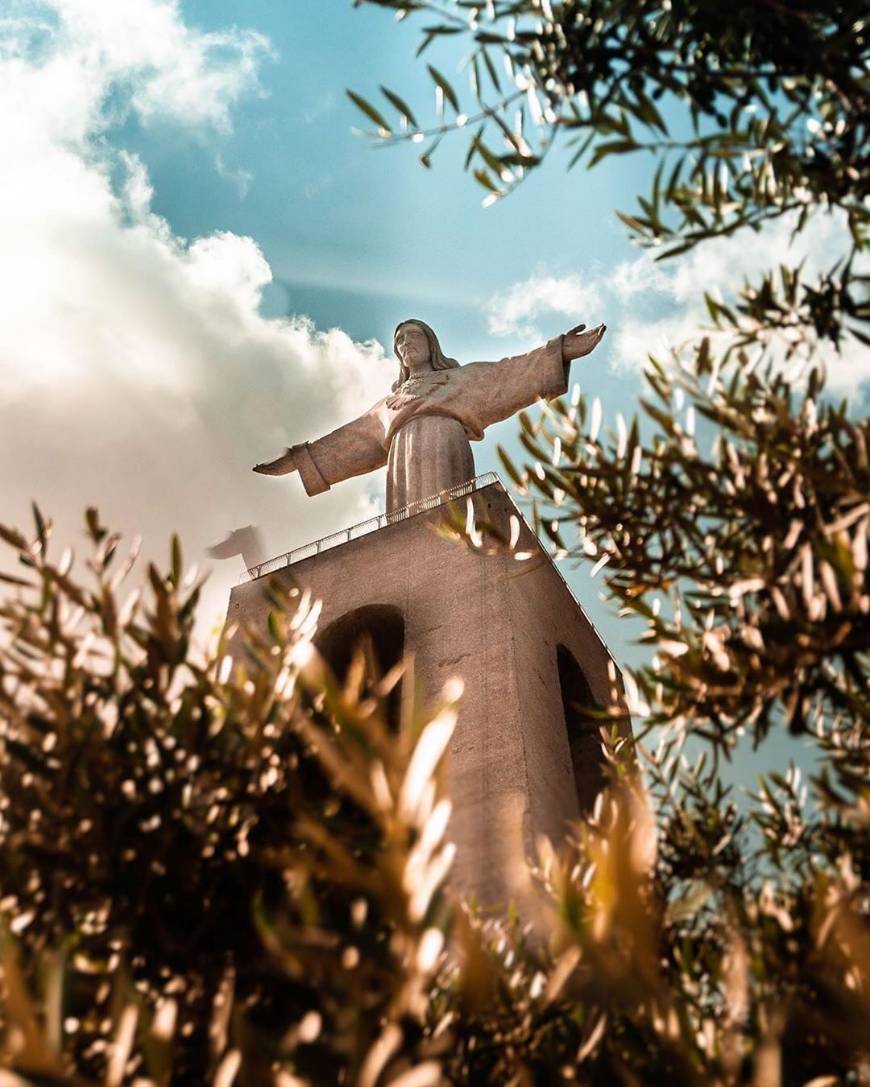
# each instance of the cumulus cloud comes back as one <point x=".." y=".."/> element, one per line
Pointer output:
<point x="640" y="277"/>
<point x="71" y="53"/>
<point x="136" y="371"/>
<point x="721" y="266"/>
<point x="513" y="312"/>
<point x="652" y="307"/>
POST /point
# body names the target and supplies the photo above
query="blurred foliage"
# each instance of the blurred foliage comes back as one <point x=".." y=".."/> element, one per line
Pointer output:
<point x="747" y="560"/>
<point x="668" y="962"/>
<point x="748" y="111"/>
<point x="206" y="863"/>
<point x="228" y="869"/>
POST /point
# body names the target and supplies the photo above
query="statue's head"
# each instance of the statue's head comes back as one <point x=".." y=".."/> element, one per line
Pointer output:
<point x="417" y="348"/>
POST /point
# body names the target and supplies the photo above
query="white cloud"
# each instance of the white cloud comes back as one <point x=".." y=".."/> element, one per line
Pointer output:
<point x="651" y="307"/>
<point x="642" y="276"/>
<point x="512" y="312"/>
<point x="720" y="267"/>
<point x="163" y="67"/>
<point x="136" y="371"/>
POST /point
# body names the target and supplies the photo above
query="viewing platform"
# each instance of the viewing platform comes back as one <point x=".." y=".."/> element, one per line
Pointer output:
<point x="363" y="528"/>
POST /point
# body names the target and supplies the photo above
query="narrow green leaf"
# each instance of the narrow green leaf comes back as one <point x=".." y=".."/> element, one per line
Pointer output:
<point x="42" y="528"/>
<point x="509" y="466"/>
<point x="642" y="226"/>
<point x="615" y="147"/>
<point x="484" y="179"/>
<point x="445" y="86"/>
<point x="490" y="68"/>
<point x="175" y="549"/>
<point x="369" y="110"/>
<point x="401" y="105"/>
<point x="13" y="538"/>
<point x="95" y="529"/>
<point x="10" y="579"/>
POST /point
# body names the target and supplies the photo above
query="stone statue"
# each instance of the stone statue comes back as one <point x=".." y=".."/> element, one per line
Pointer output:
<point x="421" y="431"/>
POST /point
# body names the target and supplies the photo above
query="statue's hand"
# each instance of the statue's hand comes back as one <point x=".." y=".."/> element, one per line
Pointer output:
<point x="278" y="467"/>
<point x="580" y="341"/>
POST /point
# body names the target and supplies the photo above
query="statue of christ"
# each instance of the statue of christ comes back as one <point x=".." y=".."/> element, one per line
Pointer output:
<point x="422" y="430"/>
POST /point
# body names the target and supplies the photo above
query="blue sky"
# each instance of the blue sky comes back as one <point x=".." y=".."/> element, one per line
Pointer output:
<point x="361" y="234"/>
<point x="203" y="264"/>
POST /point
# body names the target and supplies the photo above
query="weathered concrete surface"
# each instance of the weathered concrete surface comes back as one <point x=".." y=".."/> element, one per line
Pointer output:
<point x="495" y="622"/>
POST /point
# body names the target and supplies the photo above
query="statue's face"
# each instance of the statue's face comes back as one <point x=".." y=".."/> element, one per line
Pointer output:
<point x="412" y="346"/>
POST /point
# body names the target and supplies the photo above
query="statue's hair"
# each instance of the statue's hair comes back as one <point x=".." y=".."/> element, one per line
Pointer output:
<point x="437" y="359"/>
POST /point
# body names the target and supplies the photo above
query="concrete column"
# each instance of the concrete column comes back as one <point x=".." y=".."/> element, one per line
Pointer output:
<point x="497" y="623"/>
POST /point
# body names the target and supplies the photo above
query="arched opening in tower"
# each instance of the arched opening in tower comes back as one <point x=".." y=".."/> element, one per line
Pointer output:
<point x="378" y="630"/>
<point x="584" y="739"/>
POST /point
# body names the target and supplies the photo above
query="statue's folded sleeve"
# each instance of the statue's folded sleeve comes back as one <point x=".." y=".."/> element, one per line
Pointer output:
<point x="351" y="450"/>
<point x="493" y="391"/>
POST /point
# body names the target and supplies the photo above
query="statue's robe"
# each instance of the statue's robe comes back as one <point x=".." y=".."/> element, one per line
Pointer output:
<point x="422" y="430"/>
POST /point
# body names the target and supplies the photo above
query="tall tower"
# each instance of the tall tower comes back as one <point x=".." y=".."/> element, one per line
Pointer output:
<point x="525" y="758"/>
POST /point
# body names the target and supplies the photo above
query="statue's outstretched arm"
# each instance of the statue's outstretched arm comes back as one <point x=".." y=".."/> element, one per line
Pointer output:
<point x="496" y="390"/>
<point x="351" y="450"/>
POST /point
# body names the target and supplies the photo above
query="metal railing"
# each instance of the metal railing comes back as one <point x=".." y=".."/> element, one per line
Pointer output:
<point x="307" y="551"/>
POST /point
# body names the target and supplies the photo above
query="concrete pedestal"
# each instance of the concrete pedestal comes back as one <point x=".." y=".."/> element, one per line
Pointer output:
<point x="507" y="628"/>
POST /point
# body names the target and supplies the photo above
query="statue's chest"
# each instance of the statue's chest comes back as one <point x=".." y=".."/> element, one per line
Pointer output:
<point x="419" y="390"/>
